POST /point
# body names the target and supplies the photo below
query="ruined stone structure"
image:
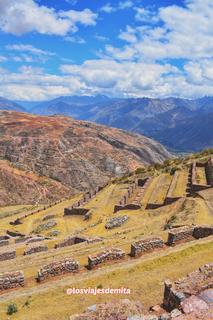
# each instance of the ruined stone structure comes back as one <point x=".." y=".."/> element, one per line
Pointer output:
<point x="7" y="255"/>
<point x="134" y="192"/>
<point x="4" y="243"/>
<point x="14" y="234"/>
<point x="178" y="235"/>
<point x="198" y="281"/>
<point x="170" y="198"/>
<point x="76" y="209"/>
<point x="11" y="280"/>
<point x="35" y="249"/>
<point x="70" y="241"/>
<point x="57" y="268"/>
<point x="195" y="186"/>
<point x="106" y="255"/>
<point x="184" y="234"/>
<point x="116" y="222"/>
<point x="145" y="245"/>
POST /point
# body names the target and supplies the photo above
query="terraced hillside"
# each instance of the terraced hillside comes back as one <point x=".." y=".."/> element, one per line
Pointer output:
<point x="87" y="225"/>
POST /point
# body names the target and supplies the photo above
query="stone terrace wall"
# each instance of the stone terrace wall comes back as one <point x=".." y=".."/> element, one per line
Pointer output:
<point x="195" y="282"/>
<point x="7" y="255"/>
<point x="170" y="197"/>
<point x="35" y="249"/>
<point x="57" y="268"/>
<point x="180" y="235"/>
<point x="106" y="255"/>
<point x="116" y="222"/>
<point x="10" y="280"/>
<point x="145" y="245"/>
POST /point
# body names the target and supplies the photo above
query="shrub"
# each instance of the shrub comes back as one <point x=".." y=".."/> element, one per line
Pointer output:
<point x="12" y="308"/>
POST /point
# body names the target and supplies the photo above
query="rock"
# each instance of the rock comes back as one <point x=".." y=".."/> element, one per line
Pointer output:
<point x="207" y="296"/>
<point x="193" y="304"/>
<point x="175" y="313"/>
<point x="92" y="308"/>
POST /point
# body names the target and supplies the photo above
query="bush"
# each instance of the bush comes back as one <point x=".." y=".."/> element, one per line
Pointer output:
<point x="12" y="308"/>
<point x="140" y="170"/>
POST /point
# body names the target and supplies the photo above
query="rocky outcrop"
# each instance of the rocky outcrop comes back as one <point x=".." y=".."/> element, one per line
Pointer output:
<point x="116" y="222"/>
<point x="57" y="268"/>
<point x="4" y="243"/>
<point x="145" y="245"/>
<point x="11" y="280"/>
<point x="106" y="255"/>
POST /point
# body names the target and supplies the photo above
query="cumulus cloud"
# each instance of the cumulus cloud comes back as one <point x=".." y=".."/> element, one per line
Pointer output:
<point x="23" y="16"/>
<point x="29" y="48"/>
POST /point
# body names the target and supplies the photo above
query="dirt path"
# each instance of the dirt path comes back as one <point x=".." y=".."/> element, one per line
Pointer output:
<point x="85" y="274"/>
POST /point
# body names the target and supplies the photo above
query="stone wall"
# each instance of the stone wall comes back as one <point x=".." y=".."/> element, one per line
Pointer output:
<point x="35" y="249"/>
<point x="145" y="245"/>
<point x="75" y="208"/>
<point x="202" y="231"/>
<point x="57" y="268"/>
<point x="135" y="191"/>
<point x="209" y="171"/>
<point x="195" y="187"/>
<point x="195" y="282"/>
<point x="4" y="243"/>
<point x="184" y="234"/>
<point x="180" y="235"/>
<point x="75" y="211"/>
<point x="106" y="255"/>
<point x="7" y="255"/>
<point x="10" y="280"/>
<point x="70" y="241"/>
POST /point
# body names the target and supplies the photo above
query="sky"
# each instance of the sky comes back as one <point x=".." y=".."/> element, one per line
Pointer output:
<point x="128" y="48"/>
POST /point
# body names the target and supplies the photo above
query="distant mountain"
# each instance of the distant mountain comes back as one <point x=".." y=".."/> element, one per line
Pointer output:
<point x="74" y="106"/>
<point x="155" y="118"/>
<point x="6" y="104"/>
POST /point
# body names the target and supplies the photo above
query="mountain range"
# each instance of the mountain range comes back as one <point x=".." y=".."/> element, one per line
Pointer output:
<point x="182" y="125"/>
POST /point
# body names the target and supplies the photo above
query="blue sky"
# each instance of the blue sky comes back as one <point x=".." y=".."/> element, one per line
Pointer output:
<point x="123" y="48"/>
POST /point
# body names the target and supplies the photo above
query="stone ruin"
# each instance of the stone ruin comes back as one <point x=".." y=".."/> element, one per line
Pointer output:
<point x="76" y="209"/>
<point x="7" y="255"/>
<point x="170" y="198"/>
<point x="184" y="234"/>
<point x="14" y="234"/>
<point x="35" y="249"/>
<point x="178" y="235"/>
<point x="104" y="256"/>
<point x="145" y="245"/>
<point x="4" y="243"/>
<point x="10" y="280"/>
<point x="208" y="166"/>
<point x="186" y="291"/>
<point x="70" y="241"/>
<point x="57" y="268"/>
<point x="116" y="222"/>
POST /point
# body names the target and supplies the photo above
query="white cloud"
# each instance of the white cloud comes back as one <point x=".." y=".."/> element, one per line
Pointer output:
<point x="75" y="39"/>
<point x="3" y="58"/>
<point x="23" y="16"/>
<point x="122" y="5"/>
<point x="28" y="48"/>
